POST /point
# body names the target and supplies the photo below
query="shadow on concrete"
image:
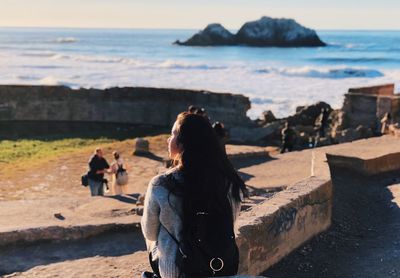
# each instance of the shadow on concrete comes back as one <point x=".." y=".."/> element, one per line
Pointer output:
<point x="151" y="156"/>
<point x="128" y="198"/>
<point x="243" y="162"/>
<point x="364" y="239"/>
<point x="245" y="177"/>
<point x="23" y="258"/>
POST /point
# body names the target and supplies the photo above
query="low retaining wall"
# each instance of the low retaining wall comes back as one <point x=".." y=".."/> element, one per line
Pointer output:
<point x="267" y="231"/>
<point x="386" y="163"/>
<point x="130" y="105"/>
<point x="271" y="230"/>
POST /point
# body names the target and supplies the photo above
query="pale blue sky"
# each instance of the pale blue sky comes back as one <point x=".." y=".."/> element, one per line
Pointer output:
<point x="318" y="14"/>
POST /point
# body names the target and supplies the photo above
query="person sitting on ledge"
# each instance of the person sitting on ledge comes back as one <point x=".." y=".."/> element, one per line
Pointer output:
<point x="189" y="212"/>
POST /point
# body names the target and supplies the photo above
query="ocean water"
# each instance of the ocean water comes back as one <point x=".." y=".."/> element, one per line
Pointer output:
<point x="277" y="79"/>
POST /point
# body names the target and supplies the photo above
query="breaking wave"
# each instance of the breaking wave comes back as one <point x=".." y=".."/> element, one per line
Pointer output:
<point x="67" y="40"/>
<point x="167" y="64"/>
<point x="355" y="60"/>
<point x="337" y="73"/>
<point x="181" y="65"/>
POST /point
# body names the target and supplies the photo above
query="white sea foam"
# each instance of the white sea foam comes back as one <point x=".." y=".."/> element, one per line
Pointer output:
<point x="28" y="77"/>
<point x="49" y="81"/>
<point x="334" y="73"/>
<point x="43" y="54"/>
<point x="67" y="40"/>
<point x="167" y="64"/>
<point x="170" y="64"/>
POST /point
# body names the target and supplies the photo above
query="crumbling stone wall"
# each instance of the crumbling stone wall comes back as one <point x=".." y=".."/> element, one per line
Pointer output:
<point x="362" y="111"/>
<point x="133" y="105"/>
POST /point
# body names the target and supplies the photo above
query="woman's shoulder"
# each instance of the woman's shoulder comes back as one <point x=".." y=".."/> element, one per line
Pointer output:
<point x="165" y="178"/>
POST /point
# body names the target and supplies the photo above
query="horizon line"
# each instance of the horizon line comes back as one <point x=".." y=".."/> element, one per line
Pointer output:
<point x="182" y="28"/>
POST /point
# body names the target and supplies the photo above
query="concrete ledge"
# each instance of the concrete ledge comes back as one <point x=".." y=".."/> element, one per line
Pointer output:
<point x="244" y="151"/>
<point x="62" y="233"/>
<point x="369" y="167"/>
<point x="274" y="228"/>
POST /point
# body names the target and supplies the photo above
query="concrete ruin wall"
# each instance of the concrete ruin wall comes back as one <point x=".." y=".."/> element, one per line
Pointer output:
<point x="273" y="229"/>
<point x="143" y="106"/>
<point x="366" y="106"/>
<point x="381" y="90"/>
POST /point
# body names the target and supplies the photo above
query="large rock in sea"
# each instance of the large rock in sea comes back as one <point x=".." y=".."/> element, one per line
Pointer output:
<point x="266" y="31"/>
<point x="280" y="32"/>
<point x="213" y="34"/>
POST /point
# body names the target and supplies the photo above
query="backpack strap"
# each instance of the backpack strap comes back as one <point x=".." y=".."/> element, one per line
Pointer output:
<point x="174" y="238"/>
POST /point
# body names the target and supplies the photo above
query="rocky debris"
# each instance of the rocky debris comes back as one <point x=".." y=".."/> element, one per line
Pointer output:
<point x="394" y="130"/>
<point x="267" y="31"/>
<point x="213" y="34"/>
<point x="141" y="146"/>
<point x="266" y="118"/>
<point x="307" y="115"/>
<point x="352" y="134"/>
<point x="306" y="123"/>
<point x="284" y="32"/>
<point x="253" y="134"/>
<point x="315" y="125"/>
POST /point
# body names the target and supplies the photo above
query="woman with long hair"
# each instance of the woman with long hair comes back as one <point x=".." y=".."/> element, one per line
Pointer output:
<point x="189" y="211"/>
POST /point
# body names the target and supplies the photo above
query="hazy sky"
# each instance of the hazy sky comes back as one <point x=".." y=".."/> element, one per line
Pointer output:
<point x="318" y="14"/>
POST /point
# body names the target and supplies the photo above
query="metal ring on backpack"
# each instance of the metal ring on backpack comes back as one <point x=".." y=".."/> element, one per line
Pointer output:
<point x="212" y="267"/>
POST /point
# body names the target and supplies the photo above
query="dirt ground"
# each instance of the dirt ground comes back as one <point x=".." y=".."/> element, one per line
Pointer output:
<point x="60" y="176"/>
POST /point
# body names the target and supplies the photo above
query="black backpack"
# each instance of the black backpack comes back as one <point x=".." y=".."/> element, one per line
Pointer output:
<point x="209" y="248"/>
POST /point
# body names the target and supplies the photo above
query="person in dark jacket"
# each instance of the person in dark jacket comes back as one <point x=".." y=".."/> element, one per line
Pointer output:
<point x="98" y="166"/>
<point x="288" y="138"/>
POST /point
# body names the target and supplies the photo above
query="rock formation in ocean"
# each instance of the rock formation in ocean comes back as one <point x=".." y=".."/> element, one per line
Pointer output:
<point x="281" y="32"/>
<point x="267" y="31"/>
<point x="213" y="34"/>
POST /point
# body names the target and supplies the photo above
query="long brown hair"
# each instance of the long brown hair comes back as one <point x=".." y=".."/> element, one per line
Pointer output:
<point x="208" y="174"/>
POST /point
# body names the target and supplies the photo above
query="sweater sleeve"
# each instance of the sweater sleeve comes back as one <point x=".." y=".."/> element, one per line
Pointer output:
<point x="151" y="212"/>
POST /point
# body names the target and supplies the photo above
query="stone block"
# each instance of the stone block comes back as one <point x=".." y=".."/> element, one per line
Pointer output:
<point x="142" y="146"/>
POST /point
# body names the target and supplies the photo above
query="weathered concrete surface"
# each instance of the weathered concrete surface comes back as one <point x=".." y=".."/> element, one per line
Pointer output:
<point x="32" y="221"/>
<point x="382" y="164"/>
<point x="281" y="170"/>
<point x="271" y="230"/>
<point x="135" y="105"/>
<point x="369" y="157"/>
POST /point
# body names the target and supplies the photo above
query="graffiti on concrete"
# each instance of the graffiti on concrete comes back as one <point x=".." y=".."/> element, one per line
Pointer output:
<point x="283" y="221"/>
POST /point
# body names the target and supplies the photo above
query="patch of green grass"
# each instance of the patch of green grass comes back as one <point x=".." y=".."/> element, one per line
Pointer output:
<point x="19" y="150"/>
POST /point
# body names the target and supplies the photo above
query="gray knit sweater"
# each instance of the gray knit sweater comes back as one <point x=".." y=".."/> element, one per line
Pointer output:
<point x="161" y="211"/>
